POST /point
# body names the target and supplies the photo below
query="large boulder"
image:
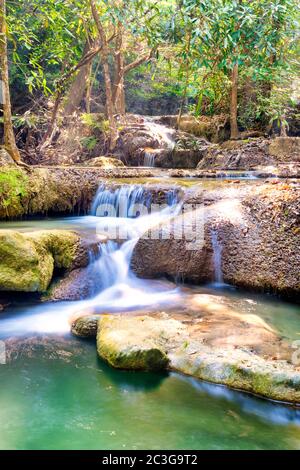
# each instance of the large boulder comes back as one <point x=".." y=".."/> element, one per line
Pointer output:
<point x="252" y="232"/>
<point x="285" y="149"/>
<point x="207" y="340"/>
<point x="27" y="260"/>
<point x="5" y="158"/>
<point x="136" y="344"/>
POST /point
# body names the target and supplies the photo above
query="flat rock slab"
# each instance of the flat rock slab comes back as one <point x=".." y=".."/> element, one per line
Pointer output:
<point x="212" y="343"/>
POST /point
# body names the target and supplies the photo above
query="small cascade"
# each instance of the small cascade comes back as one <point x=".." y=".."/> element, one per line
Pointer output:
<point x="120" y="286"/>
<point x="122" y="199"/>
<point x="217" y="257"/>
<point x="164" y="134"/>
<point x="114" y="286"/>
<point x="161" y="134"/>
<point x="149" y="158"/>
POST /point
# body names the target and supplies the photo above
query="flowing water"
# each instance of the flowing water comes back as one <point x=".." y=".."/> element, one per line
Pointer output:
<point x="163" y="135"/>
<point x="76" y="401"/>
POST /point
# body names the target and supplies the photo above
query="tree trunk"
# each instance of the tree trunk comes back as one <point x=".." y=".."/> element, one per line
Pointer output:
<point x="79" y="86"/>
<point x="119" y="92"/>
<point x="107" y="79"/>
<point x="52" y="127"/>
<point x="283" y="127"/>
<point x="9" y="137"/>
<point x="234" y="131"/>
<point x="60" y="90"/>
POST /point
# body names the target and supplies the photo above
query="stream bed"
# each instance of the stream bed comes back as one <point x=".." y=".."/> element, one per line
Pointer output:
<point x="73" y="400"/>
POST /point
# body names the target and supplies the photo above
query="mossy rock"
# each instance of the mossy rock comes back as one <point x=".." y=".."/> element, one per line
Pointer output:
<point x="129" y="344"/>
<point x="85" y="327"/>
<point x="27" y="260"/>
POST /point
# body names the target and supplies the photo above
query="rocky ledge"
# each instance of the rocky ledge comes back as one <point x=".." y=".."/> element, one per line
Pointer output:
<point x="205" y="339"/>
<point x="28" y="260"/>
<point x="252" y="232"/>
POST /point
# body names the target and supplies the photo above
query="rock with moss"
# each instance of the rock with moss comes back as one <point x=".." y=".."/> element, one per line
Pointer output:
<point x="14" y="186"/>
<point x="27" y="260"/>
<point x="274" y="379"/>
<point x="135" y="343"/>
<point x="86" y="326"/>
<point x="208" y="340"/>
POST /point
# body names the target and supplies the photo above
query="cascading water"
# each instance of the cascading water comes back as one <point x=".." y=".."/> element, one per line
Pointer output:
<point x="149" y="159"/>
<point x="217" y="257"/>
<point x="124" y="214"/>
<point x="130" y="220"/>
<point x="163" y="135"/>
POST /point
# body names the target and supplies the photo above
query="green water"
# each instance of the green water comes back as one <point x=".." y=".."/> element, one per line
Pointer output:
<point x="78" y="402"/>
<point x="86" y="405"/>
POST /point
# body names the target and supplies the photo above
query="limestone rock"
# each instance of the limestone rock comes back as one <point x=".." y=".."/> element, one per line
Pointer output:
<point x="86" y="326"/>
<point x="5" y="158"/>
<point x="27" y="260"/>
<point x="132" y="343"/>
<point x="285" y="148"/>
<point x="105" y="162"/>
<point x="213" y="343"/>
<point x="258" y="234"/>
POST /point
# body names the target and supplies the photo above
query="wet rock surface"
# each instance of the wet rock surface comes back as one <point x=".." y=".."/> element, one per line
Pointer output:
<point x="27" y="261"/>
<point x="85" y="327"/>
<point x="258" y="234"/>
<point x="208" y="340"/>
<point x="124" y="347"/>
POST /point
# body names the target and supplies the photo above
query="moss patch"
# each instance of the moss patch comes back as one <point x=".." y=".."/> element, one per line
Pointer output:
<point x="27" y="261"/>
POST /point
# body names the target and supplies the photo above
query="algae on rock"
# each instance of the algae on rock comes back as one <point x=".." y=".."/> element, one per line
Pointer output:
<point x="27" y="261"/>
<point x="124" y="346"/>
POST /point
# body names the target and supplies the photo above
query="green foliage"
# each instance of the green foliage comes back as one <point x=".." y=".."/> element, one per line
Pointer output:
<point x="195" y="45"/>
<point x="89" y="142"/>
<point x="94" y="121"/>
<point x="13" y="186"/>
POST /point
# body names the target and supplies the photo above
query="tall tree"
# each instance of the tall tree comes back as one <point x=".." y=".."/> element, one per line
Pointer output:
<point x="9" y="137"/>
<point x="106" y="72"/>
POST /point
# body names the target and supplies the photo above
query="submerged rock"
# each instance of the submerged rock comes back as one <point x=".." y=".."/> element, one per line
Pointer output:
<point x="27" y="260"/>
<point x="132" y="343"/>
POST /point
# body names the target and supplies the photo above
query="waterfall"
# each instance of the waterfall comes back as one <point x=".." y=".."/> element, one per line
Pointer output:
<point x="114" y="286"/>
<point x="217" y="257"/>
<point x="163" y="135"/>
<point x="120" y="209"/>
<point x="122" y="199"/>
<point x="149" y="159"/>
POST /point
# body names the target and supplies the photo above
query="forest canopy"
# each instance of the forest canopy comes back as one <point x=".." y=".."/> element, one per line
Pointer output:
<point x="203" y="57"/>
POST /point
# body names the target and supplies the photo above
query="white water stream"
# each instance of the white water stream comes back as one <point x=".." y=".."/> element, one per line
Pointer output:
<point x="120" y="288"/>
